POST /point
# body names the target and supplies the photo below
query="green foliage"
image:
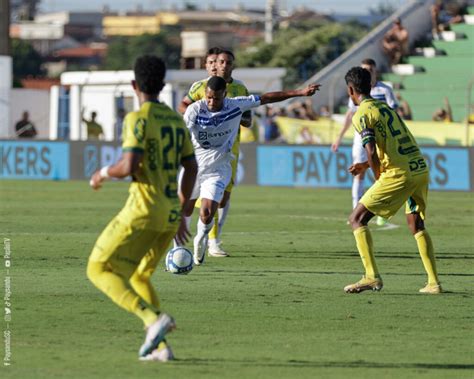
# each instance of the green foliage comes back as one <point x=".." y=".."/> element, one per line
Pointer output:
<point x="274" y="309"/>
<point x="303" y="49"/>
<point x="26" y="60"/>
<point x="123" y="51"/>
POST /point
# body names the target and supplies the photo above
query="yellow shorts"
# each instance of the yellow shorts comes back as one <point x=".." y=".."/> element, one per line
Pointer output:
<point x="387" y="195"/>
<point x="234" y="164"/>
<point x="127" y="249"/>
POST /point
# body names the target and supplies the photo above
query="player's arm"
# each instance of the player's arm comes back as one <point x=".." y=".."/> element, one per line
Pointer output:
<point x="126" y="166"/>
<point x="373" y="158"/>
<point x="275" y="97"/>
<point x="345" y="127"/>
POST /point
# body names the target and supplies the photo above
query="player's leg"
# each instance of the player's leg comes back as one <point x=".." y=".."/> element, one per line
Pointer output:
<point x="371" y="281"/>
<point x="211" y="193"/>
<point x="141" y="283"/>
<point x="206" y="221"/>
<point x="415" y="213"/>
<point x="116" y="255"/>
<point x="215" y="249"/>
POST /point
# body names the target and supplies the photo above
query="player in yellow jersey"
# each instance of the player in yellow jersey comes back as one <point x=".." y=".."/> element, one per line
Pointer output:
<point x="401" y="175"/>
<point x="220" y="62"/>
<point x="155" y="143"/>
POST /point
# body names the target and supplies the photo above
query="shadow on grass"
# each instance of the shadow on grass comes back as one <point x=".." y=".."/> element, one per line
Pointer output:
<point x="314" y="364"/>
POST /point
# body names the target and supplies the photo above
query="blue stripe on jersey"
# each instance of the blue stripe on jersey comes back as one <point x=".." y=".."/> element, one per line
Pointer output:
<point x="380" y="97"/>
<point x="219" y="119"/>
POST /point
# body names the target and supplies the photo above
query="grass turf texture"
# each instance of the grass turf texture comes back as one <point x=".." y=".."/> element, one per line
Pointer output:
<point x="275" y="309"/>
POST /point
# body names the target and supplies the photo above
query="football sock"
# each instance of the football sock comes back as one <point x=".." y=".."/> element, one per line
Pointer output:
<point x="214" y="231"/>
<point x="203" y="229"/>
<point x="425" y="247"/>
<point x="143" y="287"/>
<point x="118" y="289"/>
<point x="357" y="191"/>
<point x="222" y="217"/>
<point x="366" y="251"/>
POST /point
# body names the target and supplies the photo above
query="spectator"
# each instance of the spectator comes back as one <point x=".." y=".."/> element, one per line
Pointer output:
<point x="94" y="129"/>
<point x="443" y="114"/>
<point x="119" y="123"/>
<point x="303" y="111"/>
<point x="25" y="128"/>
<point x="442" y="16"/>
<point x="403" y="110"/>
<point x="395" y="42"/>
<point x="324" y="111"/>
<point x="270" y="127"/>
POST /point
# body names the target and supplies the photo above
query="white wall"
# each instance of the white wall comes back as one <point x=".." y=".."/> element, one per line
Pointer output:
<point x="36" y="102"/>
<point x="5" y="87"/>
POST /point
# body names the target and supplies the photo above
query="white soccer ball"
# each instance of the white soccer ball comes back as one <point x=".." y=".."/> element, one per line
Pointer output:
<point x="179" y="260"/>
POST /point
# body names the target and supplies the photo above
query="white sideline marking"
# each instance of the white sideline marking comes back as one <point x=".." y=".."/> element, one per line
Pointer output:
<point x="387" y="226"/>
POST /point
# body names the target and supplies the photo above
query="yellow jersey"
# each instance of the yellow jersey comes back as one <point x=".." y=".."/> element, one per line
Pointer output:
<point x="161" y="135"/>
<point x="397" y="149"/>
<point x="234" y="89"/>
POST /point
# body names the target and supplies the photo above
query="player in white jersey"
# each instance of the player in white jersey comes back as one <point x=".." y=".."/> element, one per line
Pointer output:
<point x="214" y="123"/>
<point x="381" y="92"/>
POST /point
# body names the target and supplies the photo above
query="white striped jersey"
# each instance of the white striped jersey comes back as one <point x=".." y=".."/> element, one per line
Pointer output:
<point x="380" y="92"/>
<point x="214" y="133"/>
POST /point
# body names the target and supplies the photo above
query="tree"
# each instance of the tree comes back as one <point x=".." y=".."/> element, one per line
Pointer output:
<point x="123" y="51"/>
<point x="302" y="49"/>
<point x="26" y="60"/>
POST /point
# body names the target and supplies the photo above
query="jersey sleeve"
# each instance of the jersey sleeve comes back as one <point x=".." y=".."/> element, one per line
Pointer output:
<point x="134" y="132"/>
<point x="364" y="127"/>
<point x="391" y="99"/>
<point x="196" y="92"/>
<point x="246" y="103"/>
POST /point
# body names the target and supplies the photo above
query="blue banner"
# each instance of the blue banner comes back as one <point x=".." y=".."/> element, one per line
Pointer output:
<point x="34" y="160"/>
<point x="318" y="166"/>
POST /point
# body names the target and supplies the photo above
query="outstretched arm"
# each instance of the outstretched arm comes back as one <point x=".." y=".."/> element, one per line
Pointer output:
<point x="275" y="97"/>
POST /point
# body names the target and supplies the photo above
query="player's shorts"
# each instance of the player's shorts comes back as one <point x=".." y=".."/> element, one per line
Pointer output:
<point x="211" y="185"/>
<point x="387" y="195"/>
<point x="359" y="154"/>
<point x="127" y="249"/>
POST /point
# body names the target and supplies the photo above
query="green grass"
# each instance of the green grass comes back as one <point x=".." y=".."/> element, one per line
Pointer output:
<point x="275" y="309"/>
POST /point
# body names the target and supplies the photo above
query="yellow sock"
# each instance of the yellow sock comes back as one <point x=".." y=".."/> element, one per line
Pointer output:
<point x="366" y="251"/>
<point x="425" y="247"/>
<point x="143" y="287"/>
<point x="118" y="289"/>
<point x="215" y="228"/>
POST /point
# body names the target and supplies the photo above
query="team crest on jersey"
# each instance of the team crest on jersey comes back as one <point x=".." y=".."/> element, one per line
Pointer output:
<point x="139" y="129"/>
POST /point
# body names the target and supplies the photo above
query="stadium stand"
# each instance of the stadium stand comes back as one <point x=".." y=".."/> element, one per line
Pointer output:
<point x="445" y="70"/>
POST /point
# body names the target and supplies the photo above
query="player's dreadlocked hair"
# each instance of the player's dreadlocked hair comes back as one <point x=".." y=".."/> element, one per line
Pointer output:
<point x="216" y="83"/>
<point x="360" y="80"/>
<point x="149" y="74"/>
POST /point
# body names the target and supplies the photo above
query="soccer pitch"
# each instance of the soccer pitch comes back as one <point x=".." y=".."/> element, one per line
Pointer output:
<point x="274" y="309"/>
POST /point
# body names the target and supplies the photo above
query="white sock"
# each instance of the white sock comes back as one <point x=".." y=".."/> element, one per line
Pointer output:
<point x="203" y="229"/>
<point x="187" y="220"/>
<point x="357" y="191"/>
<point x="222" y="213"/>
<point x="212" y="243"/>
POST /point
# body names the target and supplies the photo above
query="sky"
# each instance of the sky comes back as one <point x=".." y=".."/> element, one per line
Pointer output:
<point x="323" y="6"/>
